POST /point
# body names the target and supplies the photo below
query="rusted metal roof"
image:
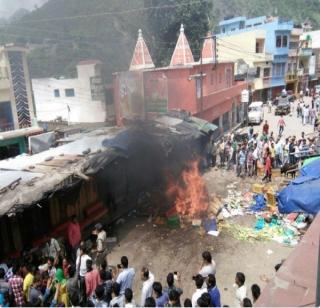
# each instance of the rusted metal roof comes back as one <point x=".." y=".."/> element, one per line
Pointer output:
<point x="295" y="282"/>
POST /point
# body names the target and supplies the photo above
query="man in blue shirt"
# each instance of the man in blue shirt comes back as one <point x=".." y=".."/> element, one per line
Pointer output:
<point x="213" y="291"/>
<point x="161" y="298"/>
<point x="126" y="275"/>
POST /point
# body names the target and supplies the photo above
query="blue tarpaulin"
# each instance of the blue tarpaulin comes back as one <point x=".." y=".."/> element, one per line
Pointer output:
<point x="260" y="203"/>
<point x="312" y="169"/>
<point x="301" y="195"/>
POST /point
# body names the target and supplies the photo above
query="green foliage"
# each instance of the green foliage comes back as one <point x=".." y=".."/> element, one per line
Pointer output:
<point x="165" y="24"/>
<point x="59" y="41"/>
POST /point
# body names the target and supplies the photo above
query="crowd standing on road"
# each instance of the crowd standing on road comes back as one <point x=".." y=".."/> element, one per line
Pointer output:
<point x="56" y="280"/>
<point x="252" y="150"/>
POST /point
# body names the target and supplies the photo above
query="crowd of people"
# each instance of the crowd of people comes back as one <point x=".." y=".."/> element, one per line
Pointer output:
<point x="79" y="276"/>
<point x="247" y="152"/>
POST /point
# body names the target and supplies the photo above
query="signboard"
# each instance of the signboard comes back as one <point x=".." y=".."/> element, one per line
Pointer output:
<point x="312" y="65"/>
<point x="245" y="96"/>
<point x="156" y="93"/>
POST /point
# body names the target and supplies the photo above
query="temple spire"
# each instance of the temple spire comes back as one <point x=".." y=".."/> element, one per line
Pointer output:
<point x="182" y="54"/>
<point x="141" y="58"/>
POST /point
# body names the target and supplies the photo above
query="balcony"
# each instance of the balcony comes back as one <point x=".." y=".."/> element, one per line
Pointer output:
<point x="291" y="77"/>
<point x="305" y="52"/>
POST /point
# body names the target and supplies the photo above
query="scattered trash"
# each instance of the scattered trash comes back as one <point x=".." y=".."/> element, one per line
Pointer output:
<point x="214" y="233"/>
<point x="210" y="224"/>
<point x="260" y="203"/>
<point x="269" y="252"/>
<point x="196" y="222"/>
<point x="173" y="222"/>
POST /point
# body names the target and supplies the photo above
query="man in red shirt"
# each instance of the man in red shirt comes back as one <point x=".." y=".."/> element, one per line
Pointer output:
<point x="281" y="125"/>
<point x="265" y="128"/>
<point x="92" y="279"/>
<point x="74" y="235"/>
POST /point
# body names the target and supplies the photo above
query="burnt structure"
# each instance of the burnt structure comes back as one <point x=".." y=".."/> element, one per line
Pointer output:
<point x="100" y="176"/>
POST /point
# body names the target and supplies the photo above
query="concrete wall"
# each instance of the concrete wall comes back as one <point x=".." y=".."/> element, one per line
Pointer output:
<point x="81" y="107"/>
<point x="180" y="88"/>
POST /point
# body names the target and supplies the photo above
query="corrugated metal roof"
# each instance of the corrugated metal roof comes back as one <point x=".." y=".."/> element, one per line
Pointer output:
<point x="8" y="176"/>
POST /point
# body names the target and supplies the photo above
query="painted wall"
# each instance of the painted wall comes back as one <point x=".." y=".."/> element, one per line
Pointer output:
<point x="79" y="108"/>
<point x="272" y="27"/>
<point x="179" y="88"/>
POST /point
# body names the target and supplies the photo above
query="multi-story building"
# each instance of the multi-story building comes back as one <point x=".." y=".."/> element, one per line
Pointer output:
<point x="293" y="59"/>
<point x="263" y="43"/>
<point x="75" y="100"/>
<point x="310" y="58"/>
<point x="207" y="91"/>
<point x="17" y="115"/>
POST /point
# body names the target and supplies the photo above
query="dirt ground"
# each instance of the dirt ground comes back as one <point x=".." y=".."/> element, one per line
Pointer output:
<point x="165" y="250"/>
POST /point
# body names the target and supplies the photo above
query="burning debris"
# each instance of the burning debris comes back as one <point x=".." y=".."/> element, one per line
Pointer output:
<point x="189" y="193"/>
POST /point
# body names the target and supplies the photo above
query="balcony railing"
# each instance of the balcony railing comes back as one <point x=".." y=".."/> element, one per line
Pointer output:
<point x="291" y="77"/>
<point x="305" y="52"/>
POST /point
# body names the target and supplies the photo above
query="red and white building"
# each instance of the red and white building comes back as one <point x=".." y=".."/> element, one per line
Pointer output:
<point x="144" y="90"/>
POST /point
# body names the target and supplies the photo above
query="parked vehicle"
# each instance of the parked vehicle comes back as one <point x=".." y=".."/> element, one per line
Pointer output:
<point x="317" y="88"/>
<point x="255" y="113"/>
<point x="283" y="107"/>
<point x="291" y="96"/>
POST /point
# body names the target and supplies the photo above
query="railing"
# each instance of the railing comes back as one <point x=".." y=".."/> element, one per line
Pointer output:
<point x="305" y="52"/>
<point x="291" y="77"/>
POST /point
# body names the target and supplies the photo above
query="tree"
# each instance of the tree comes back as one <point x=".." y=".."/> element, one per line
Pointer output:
<point x="164" y="24"/>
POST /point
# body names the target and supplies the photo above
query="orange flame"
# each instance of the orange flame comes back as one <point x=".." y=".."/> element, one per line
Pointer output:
<point x="191" y="195"/>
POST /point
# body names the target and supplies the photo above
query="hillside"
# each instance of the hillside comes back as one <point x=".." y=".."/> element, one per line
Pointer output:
<point x="62" y="32"/>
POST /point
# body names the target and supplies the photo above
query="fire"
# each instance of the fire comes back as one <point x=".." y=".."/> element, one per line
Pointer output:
<point x="190" y="193"/>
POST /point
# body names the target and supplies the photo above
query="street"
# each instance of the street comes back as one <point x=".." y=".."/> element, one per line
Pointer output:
<point x="294" y="125"/>
<point x="148" y="244"/>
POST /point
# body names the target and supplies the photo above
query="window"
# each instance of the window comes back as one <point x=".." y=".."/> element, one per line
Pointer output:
<point x="258" y="72"/>
<point x="278" y="41"/>
<point x="259" y="45"/>
<point x="257" y="24"/>
<point x="223" y="30"/>
<point x="69" y="92"/>
<point x="284" y="41"/>
<point x="266" y="72"/>
<point x="56" y="93"/>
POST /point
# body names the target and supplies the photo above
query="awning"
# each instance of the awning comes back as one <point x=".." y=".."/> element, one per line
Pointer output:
<point x="20" y="132"/>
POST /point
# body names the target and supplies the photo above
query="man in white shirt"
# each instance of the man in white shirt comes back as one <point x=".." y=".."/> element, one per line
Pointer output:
<point x="81" y="267"/>
<point x="126" y="275"/>
<point x="198" y="279"/>
<point x="81" y="263"/>
<point x="148" y="280"/>
<point x="241" y="291"/>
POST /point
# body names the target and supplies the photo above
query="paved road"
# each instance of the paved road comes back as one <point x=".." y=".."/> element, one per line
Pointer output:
<point x="293" y="127"/>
